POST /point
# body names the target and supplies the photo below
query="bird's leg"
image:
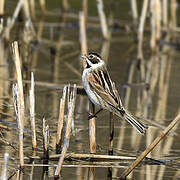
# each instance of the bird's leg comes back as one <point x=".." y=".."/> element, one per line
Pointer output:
<point x="94" y="115"/>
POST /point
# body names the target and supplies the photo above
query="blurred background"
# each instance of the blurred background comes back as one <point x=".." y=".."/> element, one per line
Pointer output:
<point x="140" y="42"/>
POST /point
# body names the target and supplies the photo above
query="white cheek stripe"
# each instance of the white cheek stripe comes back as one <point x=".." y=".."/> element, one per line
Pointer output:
<point x="95" y="66"/>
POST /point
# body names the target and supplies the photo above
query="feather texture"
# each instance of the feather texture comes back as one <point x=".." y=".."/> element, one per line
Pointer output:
<point x="103" y="93"/>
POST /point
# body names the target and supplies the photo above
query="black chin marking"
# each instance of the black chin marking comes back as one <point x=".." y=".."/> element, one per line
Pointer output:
<point x="93" y="53"/>
<point x="87" y="65"/>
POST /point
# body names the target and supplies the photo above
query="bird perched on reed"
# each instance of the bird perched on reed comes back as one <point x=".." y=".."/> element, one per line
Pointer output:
<point x="102" y="91"/>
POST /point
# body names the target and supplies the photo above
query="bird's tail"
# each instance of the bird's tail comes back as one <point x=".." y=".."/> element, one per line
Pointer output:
<point x="133" y="121"/>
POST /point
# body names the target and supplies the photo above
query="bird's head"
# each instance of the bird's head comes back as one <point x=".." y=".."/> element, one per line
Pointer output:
<point x="92" y="60"/>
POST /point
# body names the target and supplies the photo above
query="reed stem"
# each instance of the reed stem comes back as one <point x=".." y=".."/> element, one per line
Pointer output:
<point x="71" y="106"/>
<point x="103" y="21"/>
<point x="60" y="121"/>
<point x="150" y="147"/>
<point x="92" y="129"/>
<point x="32" y="112"/>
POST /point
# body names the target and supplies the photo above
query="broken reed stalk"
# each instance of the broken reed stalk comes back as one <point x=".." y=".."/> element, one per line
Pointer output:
<point x="17" y="108"/>
<point x="103" y="21"/>
<point x="92" y="128"/>
<point x="4" y="172"/>
<point x="1" y="8"/>
<point x="19" y="100"/>
<point x="17" y="62"/>
<point x="88" y="157"/>
<point x="71" y="106"/>
<point x="82" y="35"/>
<point x="150" y="148"/>
<point x="111" y="133"/>
<point x="32" y="112"/>
<point x="61" y="120"/>
<point x="45" y="141"/>
<point x="141" y="28"/>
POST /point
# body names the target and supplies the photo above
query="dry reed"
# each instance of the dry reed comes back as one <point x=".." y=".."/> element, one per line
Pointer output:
<point x="150" y="148"/>
<point x="11" y="22"/>
<point x="43" y="6"/>
<point x="2" y="3"/>
<point x="45" y="141"/>
<point x="111" y="134"/>
<point x="17" y="62"/>
<point x="17" y="108"/>
<point x="61" y="120"/>
<point x="82" y="35"/>
<point x="19" y="100"/>
<point x="5" y="168"/>
<point x="103" y="20"/>
<point x="32" y="112"/>
<point x="92" y="128"/>
<point x="71" y="106"/>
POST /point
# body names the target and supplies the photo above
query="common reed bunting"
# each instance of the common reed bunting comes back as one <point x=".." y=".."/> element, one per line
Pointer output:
<point x="102" y="91"/>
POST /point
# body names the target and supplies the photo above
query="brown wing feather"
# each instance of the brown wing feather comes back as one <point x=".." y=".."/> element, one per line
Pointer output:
<point x="102" y="85"/>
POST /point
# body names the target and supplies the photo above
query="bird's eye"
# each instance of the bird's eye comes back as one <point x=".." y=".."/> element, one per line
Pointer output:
<point x="91" y="56"/>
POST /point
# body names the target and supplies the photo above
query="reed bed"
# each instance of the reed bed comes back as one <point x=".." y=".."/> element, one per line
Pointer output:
<point x="152" y="77"/>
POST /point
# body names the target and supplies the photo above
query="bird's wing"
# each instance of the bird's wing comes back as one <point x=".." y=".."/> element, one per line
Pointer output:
<point x="100" y="82"/>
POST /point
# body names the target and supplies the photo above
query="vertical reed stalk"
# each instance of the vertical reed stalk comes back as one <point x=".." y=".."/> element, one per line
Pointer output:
<point x="65" y="4"/>
<point x="85" y="10"/>
<point x="141" y="28"/>
<point x="153" y="25"/>
<point x="111" y="134"/>
<point x="165" y="13"/>
<point x="158" y="19"/>
<point x="4" y="172"/>
<point x="71" y="107"/>
<point x="45" y="141"/>
<point x="32" y="7"/>
<point x="60" y="121"/>
<point x="1" y="26"/>
<point x="82" y="34"/>
<point x="17" y="107"/>
<point x="173" y="7"/>
<point x="32" y="112"/>
<point x="103" y="21"/>
<point x="43" y="5"/>
<point x="1" y="8"/>
<point x="26" y="9"/>
<point x="134" y="11"/>
<point x="17" y="62"/>
<point x="92" y="129"/>
<point x="19" y="100"/>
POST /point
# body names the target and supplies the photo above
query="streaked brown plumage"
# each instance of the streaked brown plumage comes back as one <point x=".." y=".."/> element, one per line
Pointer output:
<point x="102" y="91"/>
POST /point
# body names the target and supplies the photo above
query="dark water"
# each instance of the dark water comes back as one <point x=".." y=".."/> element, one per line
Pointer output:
<point x="161" y="104"/>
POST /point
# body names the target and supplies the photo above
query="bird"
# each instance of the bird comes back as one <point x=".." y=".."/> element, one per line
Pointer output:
<point x="102" y="92"/>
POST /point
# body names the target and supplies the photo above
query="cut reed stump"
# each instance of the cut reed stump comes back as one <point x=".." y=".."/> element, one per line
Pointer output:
<point x="71" y="106"/>
<point x="60" y="121"/>
<point x="18" y="97"/>
<point x="92" y="128"/>
<point x="111" y="134"/>
<point x="32" y="112"/>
